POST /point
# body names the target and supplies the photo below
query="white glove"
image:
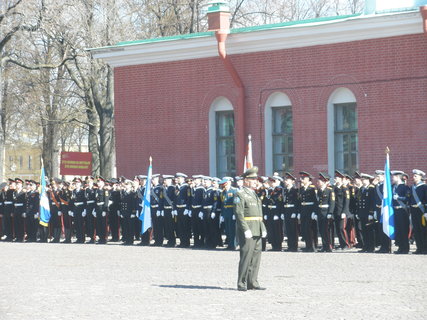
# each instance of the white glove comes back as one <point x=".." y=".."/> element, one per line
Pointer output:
<point x="265" y="217"/>
<point x="425" y="215"/>
<point x="343" y="216"/>
<point x="201" y="215"/>
<point x="185" y="212"/>
<point x="357" y="217"/>
<point x="132" y="216"/>
<point x="24" y="215"/>
<point x="118" y="213"/>
<point x="104" y="213"/>
<point x="121" y="216"/>
<point x="71" y="213"/>
<point x="248" y="234"/>
<point x="313" y="216"/>
<point x="162" y="213"/>
<point x="190" y="213"/>
<point x="36" y="216"/>
<point x="59" y="213"/>
<point x="213" y="215"/>
<point x="375" y="216"/>
<point x="84" y="213"/>
<point x="221" y="219"/>
<point x="158" y="213"/>
<point x="395" y="196"/>
<point x="299" y="216"/>
<point x="264" y="234"/>
<point x="370" y="217"/>
<point x="293" y="215"/>
<point x="234" y="217"/>
<point x="174" y="213"/>
<point x="275" y="218"/>
<point x="329" y="216"/>
<point x="282" y="216"/>
<point x="94" y="213"/>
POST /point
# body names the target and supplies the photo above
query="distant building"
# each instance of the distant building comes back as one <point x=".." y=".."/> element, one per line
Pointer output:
<point x="23" y="161"/>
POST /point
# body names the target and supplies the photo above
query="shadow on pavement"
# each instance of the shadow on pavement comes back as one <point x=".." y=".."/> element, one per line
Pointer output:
<point x="183" y="286"/>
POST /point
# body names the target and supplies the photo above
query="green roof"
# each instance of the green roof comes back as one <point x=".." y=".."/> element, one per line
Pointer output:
<point x="236" y="30"/>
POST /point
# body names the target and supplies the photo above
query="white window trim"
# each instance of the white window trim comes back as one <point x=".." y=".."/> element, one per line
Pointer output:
<point x="219" y="104"/>
<point x="340" y="95"/>
<point x="276" y="99"/>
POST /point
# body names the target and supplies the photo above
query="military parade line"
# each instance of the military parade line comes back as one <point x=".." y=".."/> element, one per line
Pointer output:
<point x="203" y="208"/>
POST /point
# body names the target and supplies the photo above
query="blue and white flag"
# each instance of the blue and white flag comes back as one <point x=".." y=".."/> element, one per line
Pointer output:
<point x="387" y="212"/>
<point x="44" y="202"/>
<point x="145" y="215"/>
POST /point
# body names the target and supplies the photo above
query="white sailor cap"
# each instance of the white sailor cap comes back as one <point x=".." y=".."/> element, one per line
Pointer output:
<point x="379" y="172"/>
<point x="180" y="174"/>
<point x="168" y="176"/>
<point x="396" y="172"/>
<point x="366" y="176"/>
<point x="419" y="172"/>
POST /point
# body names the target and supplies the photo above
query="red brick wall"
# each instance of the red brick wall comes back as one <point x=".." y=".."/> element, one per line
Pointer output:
<point x="162" y="109"/>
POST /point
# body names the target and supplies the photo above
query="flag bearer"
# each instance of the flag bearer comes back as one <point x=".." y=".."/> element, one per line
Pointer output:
<point x="401" y="196"/>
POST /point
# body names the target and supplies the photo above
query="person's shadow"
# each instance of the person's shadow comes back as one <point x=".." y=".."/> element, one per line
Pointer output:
<point x="183" y="286"/>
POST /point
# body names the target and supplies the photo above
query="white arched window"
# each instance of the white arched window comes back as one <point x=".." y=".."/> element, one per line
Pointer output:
<point x="343" y="146"/>
<point x="278" y="126"/>
<point x="222" y="154"/>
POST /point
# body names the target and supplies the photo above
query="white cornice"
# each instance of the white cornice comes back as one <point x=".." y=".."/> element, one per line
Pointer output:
<point x="302" y="35"/>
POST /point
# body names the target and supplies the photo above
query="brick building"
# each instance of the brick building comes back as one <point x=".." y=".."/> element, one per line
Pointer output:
<point x="315" y="95"/>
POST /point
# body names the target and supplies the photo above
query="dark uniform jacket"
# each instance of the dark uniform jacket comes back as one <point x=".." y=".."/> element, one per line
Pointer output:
<point x="342" y="201"/>
<point x="33" y="202"/>
<point x="421" y="191"/>
<point x="365" y="201"/>
<point x="20" y="201"/>
<point x="183" y="196"/>
<point x="291" y="202"/>
<point x="169" y="197"/>
<point x="326" y="201"/>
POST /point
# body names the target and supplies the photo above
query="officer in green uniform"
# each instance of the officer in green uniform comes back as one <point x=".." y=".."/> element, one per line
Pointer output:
<point x="250" y="228"/>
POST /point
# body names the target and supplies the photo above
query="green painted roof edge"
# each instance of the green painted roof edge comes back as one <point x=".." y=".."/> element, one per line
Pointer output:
<point x="169" y="38"/>
<point x="293" y="23"/>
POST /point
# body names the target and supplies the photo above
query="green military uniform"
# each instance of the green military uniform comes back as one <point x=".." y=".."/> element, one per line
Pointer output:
<point x="248" y="212"/>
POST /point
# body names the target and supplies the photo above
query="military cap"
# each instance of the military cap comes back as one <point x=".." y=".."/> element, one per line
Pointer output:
<point x="114" y="180"/>
<point x="101" y="179"/>
<point x="251" y="173"/>
<point x="180" y="174"/>
<point x="347" y="176"/>
<point x="216" y="179"/>
<point x="77" y="180"/>
<point x="357" y="175"/>
<point x="2" y="185"/>
<point x="379" y="172"/>
<point x="141" y="177"/>
<point x="262" y="179"/>
<point x="274" y="178"/>
<point x="225" y="180"/>
<point x="288" y="175"/>
<point x="127" y="181"/>
<point x="305" y="174"/>
<point x="197" y="176"/>
<point x="27" y="181"/>
<point x="419" y="172"/>
<point x="366" y="176"/>
<point x="167" y="176"/>
<point x="207" y="178"/>
<point x="238" y="178"/>
<point x="396" y="172"/>
<point x="19" y="180"/>
<point x="11" y="180"/>
<point x="155" y="175"/>
<point x="324" y="176"/>
<point x="405" y="176"/>
<point x="339" y="174"/>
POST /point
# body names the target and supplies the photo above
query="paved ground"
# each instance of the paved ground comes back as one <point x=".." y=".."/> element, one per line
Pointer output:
<point x="58" y="281"/>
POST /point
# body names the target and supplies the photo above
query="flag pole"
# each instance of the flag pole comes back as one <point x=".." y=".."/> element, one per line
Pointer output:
<point x="387" y="152"/>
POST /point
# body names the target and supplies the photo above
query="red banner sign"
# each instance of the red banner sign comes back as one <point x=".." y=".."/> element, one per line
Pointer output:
<point x="76" y="163"/>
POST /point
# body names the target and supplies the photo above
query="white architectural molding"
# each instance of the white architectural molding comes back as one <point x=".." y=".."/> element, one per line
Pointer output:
<point x="275" y="38"/>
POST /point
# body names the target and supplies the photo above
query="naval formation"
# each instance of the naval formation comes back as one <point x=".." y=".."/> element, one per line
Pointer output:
<point x="203" y="212"/>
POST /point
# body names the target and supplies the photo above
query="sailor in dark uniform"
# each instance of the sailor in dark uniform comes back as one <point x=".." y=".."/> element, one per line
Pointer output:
<point x="114" y="210"/>
<point x="8" y="210"/>
<point x="90" y="219"/>
<point x="20" y="204"/>
<point x="342" y="209"/>
<point x="33" y="203"/>
<point x="101" y="208"/>
<point x="55" y="209"/>
<point x="197" y="216"/>
<point x="275" y="206"/>
<point x="157" y="212"/>
<point x="183" y="208"/>
<point x="309" y="205"/>
<point x="78" y="211"/>
<point x="383" y="239"/>
<point x="418" y="203"/>
<point x="209" y="214"/>
<point x="65" y="195"/>
<point x="326" y="196"/>
<point x="291" y="205"/>
<point x="365" y="212"/>
<point x="128" y="212"/>
<point x="401" y="197"/>
<point x="168" y="207"/>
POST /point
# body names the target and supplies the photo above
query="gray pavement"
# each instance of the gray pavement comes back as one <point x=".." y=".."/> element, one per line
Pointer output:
<point x="60" y="281"/>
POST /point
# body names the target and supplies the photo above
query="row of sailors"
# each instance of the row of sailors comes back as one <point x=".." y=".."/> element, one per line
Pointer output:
<point x="202" y="208"/>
